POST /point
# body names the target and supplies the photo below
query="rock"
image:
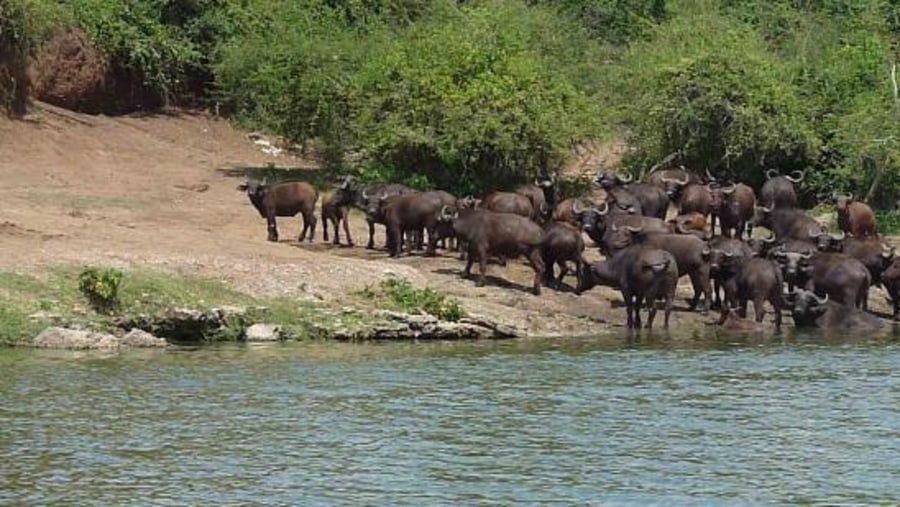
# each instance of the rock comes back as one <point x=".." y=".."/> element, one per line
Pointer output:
<point x="404" y="326"/>
<point x="62" y="338"/>
<point x="263" y="333"/>
<point x="139" y="338"/>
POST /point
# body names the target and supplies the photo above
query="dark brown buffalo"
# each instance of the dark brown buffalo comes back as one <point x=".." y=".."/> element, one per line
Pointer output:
<point x="284" y="200"/>
<point x="562" y="243"/>
<point x="571" y="210"/>
<point x="336" y="215"/>
<point x="542" y="195"/>
<point x="411" y="213"/>
<point x="653" y="200"/>
<point x="488" y="233"/>
<point x="695" y="198"/>
<point x="762" y="246"/>
<point x="673" y="181"/>
<point x="854" y="217"/>
<point x="794" y="256"/>
<point x="733" y="205"/>
<point x="642" y="274"/>
<point x="874" y="253"/>
<point x="752" y="279"/>
<point x="596" y="223"/>
<point x="787" y="223"/>
<point x="891" y="280"/>
<point x="843" y="278"/>
<point x="810" y="310"/>
<point x="623" y="202"/>
<point x="691" y="254"/>
<point x="724" y="255"/>
<point x="511" y="202"/>
<point x="369" y="199"/>
<point x="778" y="191"/>
<point x="691" y="223"/>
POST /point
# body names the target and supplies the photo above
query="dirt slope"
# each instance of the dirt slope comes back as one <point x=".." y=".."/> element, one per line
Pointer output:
<point x="159" y="191"/>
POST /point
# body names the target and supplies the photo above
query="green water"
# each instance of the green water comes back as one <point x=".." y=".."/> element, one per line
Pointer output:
<point x="564" y="422"/>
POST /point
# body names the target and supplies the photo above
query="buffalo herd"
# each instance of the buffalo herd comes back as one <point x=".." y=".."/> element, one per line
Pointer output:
<point x="820" y="278"/>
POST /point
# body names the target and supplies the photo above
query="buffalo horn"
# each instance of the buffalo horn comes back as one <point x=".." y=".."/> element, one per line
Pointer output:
<point x="835" y="237"/>
<point x="765" y="209"/>
<point x="798" y="176"/>
<point x="633" y="229"/>
<point x="770" y="173"/>
<point x="770" y="239"/>
<point x="813" y="233"/>
<point x="807" y="255"/>
<point x="575" y="209"/>
<point x="821" y="301"/>
<point x="730" y="189"/>
<point x="709" y="175"/>
<point x="850" y="197"/>
<point x="728" y="254"/>
<point x="365" y="195"/>
<point x="605" y="208"/>
<point x="623" y="180"/>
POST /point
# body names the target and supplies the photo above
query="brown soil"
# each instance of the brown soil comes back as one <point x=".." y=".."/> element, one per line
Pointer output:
<point x="159" y="192"/>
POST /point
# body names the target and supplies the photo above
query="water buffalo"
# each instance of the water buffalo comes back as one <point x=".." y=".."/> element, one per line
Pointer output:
<point x="369" y="199"/>
<point x="284" y="200"/>
<point x="652" y="199"/>
<point x="695" y="198"/>
<point x="562" y="243"/>
<point x="845" y="279"/>
<point x="673" y="181"/>
<point x="891" y="280"/>
<point x="542" y="195"/>
<point x="762" y="246"/>
<point x="724" y="255"/>
<point x="641" y="273"/>
<point x="810" y="310"/>
<point x="505" y="234"/>
<point x="873" y="252"/>
<point x="512" y="202"/>
<point x="336" y="215"/>
<point x="690" y="223"/>
<point x="690" y="253"/>
<point x="854" y="217"/>
<point x="733" y="205"/>
<point x="787" y="223"/>
<point x="752" y="279"/>
<point x="413" y="213"/>
<point x="778" y="191"/>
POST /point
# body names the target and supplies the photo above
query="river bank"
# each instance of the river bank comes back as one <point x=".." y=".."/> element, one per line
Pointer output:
<point x="155" y="196"/>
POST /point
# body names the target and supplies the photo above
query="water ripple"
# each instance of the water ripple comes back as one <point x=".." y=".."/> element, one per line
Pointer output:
<point x="498" y="424"/>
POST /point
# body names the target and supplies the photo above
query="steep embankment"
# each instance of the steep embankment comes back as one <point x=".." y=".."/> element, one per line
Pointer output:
<point x="159" y="191"/>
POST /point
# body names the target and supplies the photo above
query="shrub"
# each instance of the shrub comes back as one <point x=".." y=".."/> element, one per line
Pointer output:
<point x="401" y="294"/>
<point x="15" y="47"/>
<point x="101" y="288"/>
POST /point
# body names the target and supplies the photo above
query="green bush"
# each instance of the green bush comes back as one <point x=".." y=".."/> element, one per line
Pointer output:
<point x="16" y="45"/>
<point x="101" y="288"/>
<point x="401" y="294"/>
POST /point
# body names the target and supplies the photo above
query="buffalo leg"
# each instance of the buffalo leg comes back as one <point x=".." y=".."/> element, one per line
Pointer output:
<point x="309" y="218"/>
<point x="629" y="309"/>
<point x="335" y="224"/>
<point x="651" y="310"/>
<point x="469" y="260"/>
<point x="371" y="243"/>
<point x="305" y="228"/>
<point x="670" y="302"/>
<point x="537" y="263"/>
<point x="343" y="216"/>
<point x="777" y="301"/>
<point x="638" y="302"/>
<point x="563" y="271"/>
<point x="758" y="308"/>
<point x="325" y="230"/>
<point x="700" y="282"/>
<point x="273" y="228"/>
<point x="395" y="234"/>
<point x="431" y="251"/>
<point x="482" y="267"/>
<point x="579" y="274"/>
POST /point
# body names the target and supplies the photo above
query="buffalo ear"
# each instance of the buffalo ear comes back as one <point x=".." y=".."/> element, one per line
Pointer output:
<point x="242" y="187"/>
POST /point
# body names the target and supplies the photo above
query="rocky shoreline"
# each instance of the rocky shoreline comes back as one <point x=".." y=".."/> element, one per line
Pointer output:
<point x="181" y="326"/>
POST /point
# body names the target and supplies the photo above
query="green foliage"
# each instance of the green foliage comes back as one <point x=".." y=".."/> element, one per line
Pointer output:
<point x="101" y="288"/>
<point x="402" y="295"/>
<point x="615" y="21"/>
<point x="15" y="326"/>
<point x="888" y="221"/>
<point x="16" y="45"/>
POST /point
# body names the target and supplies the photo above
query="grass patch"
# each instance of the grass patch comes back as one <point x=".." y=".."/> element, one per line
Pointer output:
<point x="399" y="294"/>
<point x="29" y="304"/>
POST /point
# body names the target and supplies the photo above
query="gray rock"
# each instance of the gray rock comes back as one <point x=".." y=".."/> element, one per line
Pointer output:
<point x="140" y="338"/>
<point x="264" y="333"/>
<point x="62" y="338"/>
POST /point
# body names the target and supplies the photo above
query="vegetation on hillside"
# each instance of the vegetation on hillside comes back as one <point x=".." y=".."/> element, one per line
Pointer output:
<point x="479" y="94"/>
